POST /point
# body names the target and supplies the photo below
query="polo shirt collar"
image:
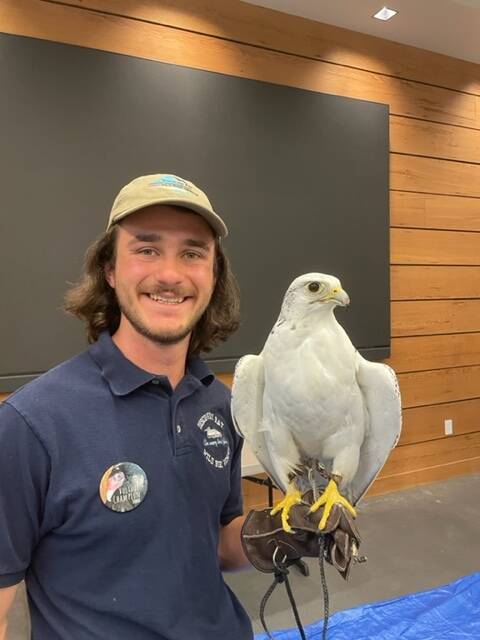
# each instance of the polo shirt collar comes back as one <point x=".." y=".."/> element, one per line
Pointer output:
<point x="123" y="376"/>
<point x="200" y="370"/>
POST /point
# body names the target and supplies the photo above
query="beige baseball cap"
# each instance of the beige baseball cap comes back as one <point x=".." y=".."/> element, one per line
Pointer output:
<point x="164" y="188"/>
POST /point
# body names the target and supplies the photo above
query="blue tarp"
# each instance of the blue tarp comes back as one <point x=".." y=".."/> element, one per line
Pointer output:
<point x="451" y="612"/>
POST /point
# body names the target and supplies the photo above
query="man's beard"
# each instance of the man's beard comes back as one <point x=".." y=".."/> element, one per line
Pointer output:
<point x="157" y="336"/>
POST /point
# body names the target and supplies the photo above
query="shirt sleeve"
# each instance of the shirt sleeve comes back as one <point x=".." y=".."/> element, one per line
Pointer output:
<point x="24" y="473"/>
<point x="233" y="506"/>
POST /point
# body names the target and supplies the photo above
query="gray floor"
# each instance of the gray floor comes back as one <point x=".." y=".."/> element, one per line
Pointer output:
<point x="414" y="540"/>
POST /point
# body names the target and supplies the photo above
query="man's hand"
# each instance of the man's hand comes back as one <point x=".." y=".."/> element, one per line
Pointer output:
<point x="230" y="551"/>
<point x="7" y="595"/>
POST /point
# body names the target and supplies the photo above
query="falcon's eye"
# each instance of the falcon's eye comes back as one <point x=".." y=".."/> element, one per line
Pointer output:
<point x="313" y="287"/>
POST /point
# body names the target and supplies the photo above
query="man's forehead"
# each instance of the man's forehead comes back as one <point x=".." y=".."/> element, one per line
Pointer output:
<point x="156" y="220"/>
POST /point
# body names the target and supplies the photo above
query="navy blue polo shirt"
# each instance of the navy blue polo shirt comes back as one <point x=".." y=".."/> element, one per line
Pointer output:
<point x="93" y="572"/>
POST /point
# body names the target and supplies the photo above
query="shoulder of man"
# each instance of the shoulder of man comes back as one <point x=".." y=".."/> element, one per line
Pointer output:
<point x="48" y="393"/>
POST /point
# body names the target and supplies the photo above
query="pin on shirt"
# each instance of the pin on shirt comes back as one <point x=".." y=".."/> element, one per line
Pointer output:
<point x="123" y="486"/>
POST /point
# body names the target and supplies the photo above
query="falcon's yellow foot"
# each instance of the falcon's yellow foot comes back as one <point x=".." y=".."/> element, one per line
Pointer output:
<point x="293" y="496"/>
<point x="329" y="497"/>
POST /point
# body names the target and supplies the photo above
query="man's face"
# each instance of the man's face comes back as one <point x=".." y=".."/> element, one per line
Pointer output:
<point x="164" y="272"/>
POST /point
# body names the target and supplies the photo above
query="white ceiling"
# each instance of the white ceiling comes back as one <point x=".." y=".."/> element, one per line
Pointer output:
<point x="451" y="27"/>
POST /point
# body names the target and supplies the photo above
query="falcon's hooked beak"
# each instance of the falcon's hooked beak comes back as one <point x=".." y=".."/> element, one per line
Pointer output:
<point x="340" y="296"/>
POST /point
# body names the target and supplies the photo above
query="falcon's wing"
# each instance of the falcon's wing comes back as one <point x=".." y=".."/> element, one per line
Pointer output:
<point x="379" y="386"/>
<point x="247" y="410"/>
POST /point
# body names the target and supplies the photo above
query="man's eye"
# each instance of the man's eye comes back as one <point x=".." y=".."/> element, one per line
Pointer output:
<point x="146" y="251"/>
<point x="192" y="255"/>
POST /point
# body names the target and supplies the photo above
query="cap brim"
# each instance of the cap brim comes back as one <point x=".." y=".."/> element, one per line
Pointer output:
<point x="210" y="217"/>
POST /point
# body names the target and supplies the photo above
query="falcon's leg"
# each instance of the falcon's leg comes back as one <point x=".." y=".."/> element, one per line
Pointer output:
<point x="293" y="496"/>
<point x="330" y="496"/>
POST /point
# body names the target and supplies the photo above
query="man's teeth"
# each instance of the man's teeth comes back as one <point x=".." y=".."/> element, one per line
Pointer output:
<point x="167" y="300"/>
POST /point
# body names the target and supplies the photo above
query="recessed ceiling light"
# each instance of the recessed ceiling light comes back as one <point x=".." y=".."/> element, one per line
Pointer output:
<point x="385" y="14"/>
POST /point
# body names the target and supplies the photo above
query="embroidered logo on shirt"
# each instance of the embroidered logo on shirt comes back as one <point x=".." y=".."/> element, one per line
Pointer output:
<point x="216" y="449"/>
<point x="123" y="486"/>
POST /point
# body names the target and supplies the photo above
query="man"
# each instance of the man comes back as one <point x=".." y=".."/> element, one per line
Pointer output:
<point x="120" y="494"/>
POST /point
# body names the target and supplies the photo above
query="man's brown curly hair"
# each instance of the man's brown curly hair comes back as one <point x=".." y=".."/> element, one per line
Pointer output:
<point x="94" y="301"/>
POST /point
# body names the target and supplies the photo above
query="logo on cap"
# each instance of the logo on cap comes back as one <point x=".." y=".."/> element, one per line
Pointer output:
<point x="172" y="182"/>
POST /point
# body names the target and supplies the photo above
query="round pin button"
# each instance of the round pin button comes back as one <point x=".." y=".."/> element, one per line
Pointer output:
<point x="123" y="486"/>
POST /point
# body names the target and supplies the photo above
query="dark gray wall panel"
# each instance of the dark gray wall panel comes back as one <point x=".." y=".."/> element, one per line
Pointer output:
<point x="301" y="179"/>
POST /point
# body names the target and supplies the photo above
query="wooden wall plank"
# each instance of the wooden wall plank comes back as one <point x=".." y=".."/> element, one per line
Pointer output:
<point x="434" y="211"/>
<point x="426" y="282"/>
<point x="423" y="353"/>
<point x="434" y="247"/>
<point x="257" y="496"/>
<point x="421" y="455"/>
<point x="431" y="317"/>
<point x="429" y="175"/>
<point x="442" y="385"/>
<point x="418" y="137"/>
<point x="410" y="479"/>
<point x="266" y="28"/>
<point x="428" y="423"/>
<point x="63" y="23"/>
<point x="439" y="386"/>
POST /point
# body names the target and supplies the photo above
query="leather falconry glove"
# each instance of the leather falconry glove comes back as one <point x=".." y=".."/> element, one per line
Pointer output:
<point x="266" y="544"/>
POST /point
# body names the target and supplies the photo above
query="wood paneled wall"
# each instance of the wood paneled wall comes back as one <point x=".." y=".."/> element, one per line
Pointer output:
<point x="435" y="180"/>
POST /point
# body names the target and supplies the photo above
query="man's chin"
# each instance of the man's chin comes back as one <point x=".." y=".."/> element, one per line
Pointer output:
<point x="169" y="339"/>
<point x="164" y="337"/>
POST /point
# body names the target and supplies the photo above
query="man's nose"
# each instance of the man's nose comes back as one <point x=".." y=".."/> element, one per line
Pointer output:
<point x="169" y="271"/>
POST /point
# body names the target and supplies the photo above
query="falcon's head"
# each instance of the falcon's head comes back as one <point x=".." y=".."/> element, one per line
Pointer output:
<point x="314" y="291"/>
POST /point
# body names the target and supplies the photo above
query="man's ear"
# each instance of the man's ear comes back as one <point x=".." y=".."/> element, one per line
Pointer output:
<point x="110" y="275"/>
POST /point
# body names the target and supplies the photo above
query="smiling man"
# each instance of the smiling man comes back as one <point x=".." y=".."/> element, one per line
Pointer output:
<point x="124" y="459"/>
<point x="163" y="277"/>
